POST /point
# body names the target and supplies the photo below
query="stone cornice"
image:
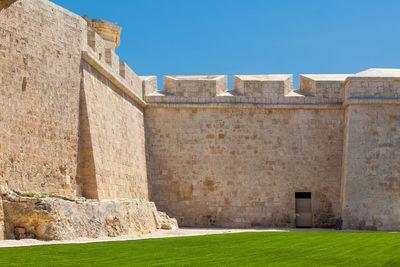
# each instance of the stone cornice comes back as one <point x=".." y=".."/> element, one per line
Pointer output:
<point x="371" y="101"/>
<point x="244" y="105"/>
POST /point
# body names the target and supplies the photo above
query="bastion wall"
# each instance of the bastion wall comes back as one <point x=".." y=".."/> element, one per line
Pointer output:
<point x="40" y="61"/>
<point x="66" y="127"/>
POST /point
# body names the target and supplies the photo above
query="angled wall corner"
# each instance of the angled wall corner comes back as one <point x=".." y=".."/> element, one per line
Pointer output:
<point x="86" y="171"/>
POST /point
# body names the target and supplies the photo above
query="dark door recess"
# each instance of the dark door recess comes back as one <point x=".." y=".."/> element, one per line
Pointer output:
<point x="303" y="209"/>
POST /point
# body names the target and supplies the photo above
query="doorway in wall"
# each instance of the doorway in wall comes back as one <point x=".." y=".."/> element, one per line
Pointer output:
<point x="303" y="210"/>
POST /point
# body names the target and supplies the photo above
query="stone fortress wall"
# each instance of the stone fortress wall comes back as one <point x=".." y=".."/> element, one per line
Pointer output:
<point x="66" y="127"/>
<point x="239" y="156"/>
<point x="72" y="126"/>
<point x="40" y="58"/>
<point x="76" y="120"/>
<point x="236" y="158"/>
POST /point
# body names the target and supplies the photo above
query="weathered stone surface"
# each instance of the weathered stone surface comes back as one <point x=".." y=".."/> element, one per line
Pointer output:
<point x="371" y="189"/>
<point x="56" y="218"/>
<point x="40" y="57"/>
<point x="114" y="125"/>
<point x="241" y="167"/>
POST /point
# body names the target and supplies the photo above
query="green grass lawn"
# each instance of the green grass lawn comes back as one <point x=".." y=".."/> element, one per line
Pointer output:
<point x="243" y="249"/>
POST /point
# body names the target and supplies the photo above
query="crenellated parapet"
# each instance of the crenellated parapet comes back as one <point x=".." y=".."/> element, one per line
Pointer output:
<point x="247" y="89"/>
<point x="108" y="31"/>
<point x="276" y="89"/>
<point x="269" y="90"/>
<point x="103" y="38"/>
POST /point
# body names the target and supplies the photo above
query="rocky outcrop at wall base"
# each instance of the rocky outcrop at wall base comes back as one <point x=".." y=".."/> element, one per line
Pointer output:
<point x="64" y="217"/>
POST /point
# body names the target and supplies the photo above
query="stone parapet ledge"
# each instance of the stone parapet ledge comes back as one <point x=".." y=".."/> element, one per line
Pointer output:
<point x="231" y="99"/>
<point x="224" y="105"/>
<point x="149" y="85"/>
<point x="195" y="86"/>
<point x="325" y="87"/>
<point x="371" y="101"/>
<point x="266" y="89"/>
<point x="269" y="85"/>
<point x="262" y="90"/>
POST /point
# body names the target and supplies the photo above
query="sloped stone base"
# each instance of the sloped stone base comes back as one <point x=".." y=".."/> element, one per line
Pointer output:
<point x="64" y="217"/>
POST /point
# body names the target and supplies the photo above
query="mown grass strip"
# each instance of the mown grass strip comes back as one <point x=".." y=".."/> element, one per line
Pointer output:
<point x="242" y="249"/>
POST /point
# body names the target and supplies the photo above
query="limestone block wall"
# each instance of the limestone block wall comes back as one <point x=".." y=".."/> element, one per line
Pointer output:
<point x="371" y="174"/>
<point x="116" y="132"/>
<point x="112" y="146"/>
<point x="241" y="166"/>
<point x="315" y="89"/>
<point x="40" y="58"/>
<point x="77" y="120"/>
<point x="372" y="178"/>
<point x="72" y="119"/>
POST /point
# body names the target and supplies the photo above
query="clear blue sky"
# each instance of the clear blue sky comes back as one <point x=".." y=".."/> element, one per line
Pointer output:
<point x="187" y="37"/>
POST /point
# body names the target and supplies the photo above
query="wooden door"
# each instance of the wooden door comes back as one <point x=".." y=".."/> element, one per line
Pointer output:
<point x="303" y="209"/>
